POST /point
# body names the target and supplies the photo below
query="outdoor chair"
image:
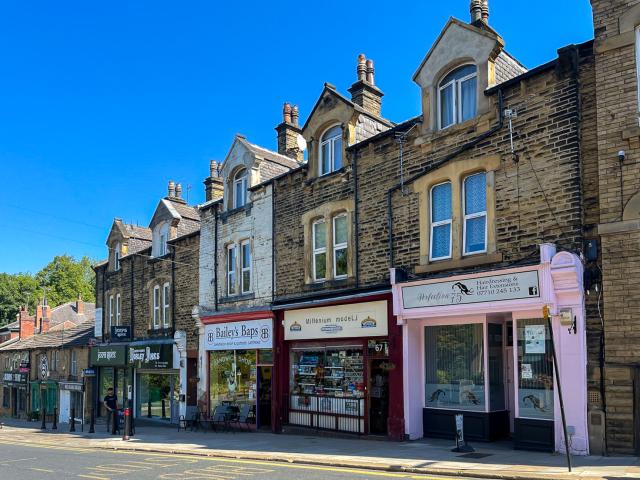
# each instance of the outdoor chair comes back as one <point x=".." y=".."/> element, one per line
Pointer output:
<point x="221" y="416"/>
<point x="244" y="417"/>
<point x="182" y="423"/>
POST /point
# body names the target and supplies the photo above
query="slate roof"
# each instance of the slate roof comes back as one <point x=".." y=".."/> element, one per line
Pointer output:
<point x="75" y="336"/>
<point x="268" y="154"/>
<point x="10" y="326"/>
<point x="142" y="233"/>
<point x="65" y="315"/>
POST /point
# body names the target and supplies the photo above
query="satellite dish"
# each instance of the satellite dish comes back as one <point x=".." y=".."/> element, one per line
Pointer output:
<point x="302" y="143"/>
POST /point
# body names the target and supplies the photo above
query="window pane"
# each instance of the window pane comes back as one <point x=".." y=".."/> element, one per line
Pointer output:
<point x="535" y="369"/>
<point x="239" y="194"/>
<point x="441" y="202"/>
<point x="319" y="235"/>
<point x="332" y="132"/>
<point x="340" y="226"/>
<point x="231" y="260"/>
<point x="337" y="154"/>
<point x="459" y="73"/>
<point x="446" y="106"/>
<point x="475" y="234"/>
<point x="475" y="193"/>
<point x="496" y="367"/>
<point x="232" y="283"/>
<point x="468" y="99"/>
<point x="246" y="256"/>
<point x="320" y="260"/>
<point x="341" y="262"/>
<point x="326" y="158"/>
<point x="246" y="281"/>
<point x="440" y="241"/>
<point x="454" y="367"/>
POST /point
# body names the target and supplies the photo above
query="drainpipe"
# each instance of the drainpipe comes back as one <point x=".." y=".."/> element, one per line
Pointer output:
<point x="215" y="258"/>
<point x="356" y="217"/>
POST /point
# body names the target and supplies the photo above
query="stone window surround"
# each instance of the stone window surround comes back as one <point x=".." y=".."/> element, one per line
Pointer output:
<point x="322" y="141"/>
<point x="111" y="315"/>
<point x="438" y="87"/>
<point x="327" y="212"/>
<point x="159" y="282"/>
<point x="237" y="243"/>
<point x="456" y="172"/>
<point x="314" y="146"/>
<point x="253" y="177"/>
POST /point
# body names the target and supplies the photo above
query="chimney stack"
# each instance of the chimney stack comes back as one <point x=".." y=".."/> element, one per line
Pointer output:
<point x="43" y="315"/>
<point x="27" y="323"/>
<point x="288" y="132"/>
<point x="79" y="305"/>
<point x="213" y="185"/>
<point x="364" y="92"/>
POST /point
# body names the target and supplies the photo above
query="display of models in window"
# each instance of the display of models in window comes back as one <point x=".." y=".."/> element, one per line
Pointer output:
<point x="331" y="150"/>
<point x="334" y="372"/>
<point x="457" y="96"/>
<point x="454" y="366"/>
<point x="535" y="369"/>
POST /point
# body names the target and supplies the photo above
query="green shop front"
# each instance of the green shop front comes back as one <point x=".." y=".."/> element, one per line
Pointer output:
<point x="110" y="365"/>
<point x="157" y="380"/>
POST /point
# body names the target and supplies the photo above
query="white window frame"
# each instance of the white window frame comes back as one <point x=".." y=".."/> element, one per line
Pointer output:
<point x="232" y="269"/>
<point x="339" y="246"/>
<point x="244" y="185"/>
<point x="332" y="145"/>
<point x="166" y="305"/>
<point x="244" y="268"/>
<point x="73" y="367"/>
<point x="156" y="307"/>
<point x="317" y="250"/>
<point x="118" y="309"/>
<point x="471" y="216"/>
<point x="111" y="312"/>
<point x="638" y="67"/>
<point x="163" y="244"/>
<point x="457" y="106"/>
<point x="433" y="225"/>
<point x="116" y="258"/>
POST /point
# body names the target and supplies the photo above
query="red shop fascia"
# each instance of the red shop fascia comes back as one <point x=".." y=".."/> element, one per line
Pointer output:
<point x="265" y="319"/>
<point x="338" y="367"/>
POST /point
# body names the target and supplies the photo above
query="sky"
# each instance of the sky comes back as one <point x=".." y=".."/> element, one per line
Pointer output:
<point x="102" y="103"/>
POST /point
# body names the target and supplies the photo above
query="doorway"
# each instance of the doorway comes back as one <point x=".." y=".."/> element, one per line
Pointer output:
<point x="265" y="375"/>
<point x="378" y="397"/>
<point x="14" y="402"/>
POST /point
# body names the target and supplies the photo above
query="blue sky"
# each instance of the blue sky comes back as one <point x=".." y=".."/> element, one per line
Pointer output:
<point x="101" y="103"/>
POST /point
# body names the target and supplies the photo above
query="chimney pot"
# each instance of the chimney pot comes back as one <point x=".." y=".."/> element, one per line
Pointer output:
<point x="476" y="10"/>
<point x="485" y="11"/>
<point x="172" y="188"/>
<point x="286" y="113"/>
<point x="294" y="115"/>
<point x="213" y="169"/>
<point x="79" y="305"/>
<point x="370" y="72"/>
<point x="178" y="190"/>
<point x="362" y="67"/>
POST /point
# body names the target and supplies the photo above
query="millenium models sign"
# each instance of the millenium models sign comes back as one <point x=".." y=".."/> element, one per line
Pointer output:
<point x="491" y="288"/>
<point x="249" y="335"/>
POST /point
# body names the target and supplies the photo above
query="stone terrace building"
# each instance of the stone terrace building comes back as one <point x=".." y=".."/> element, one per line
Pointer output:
<point x="146" y="292"/>
<point x="445" y="199"/>
<point x="236" y="273"/>
<point x="617" y="90"/>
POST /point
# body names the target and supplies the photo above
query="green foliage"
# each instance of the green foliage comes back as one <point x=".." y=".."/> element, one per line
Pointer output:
<point x="62" y="280"/>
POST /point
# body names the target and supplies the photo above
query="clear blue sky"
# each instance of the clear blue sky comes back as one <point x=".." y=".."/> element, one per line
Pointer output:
<point x="101" y="103"/>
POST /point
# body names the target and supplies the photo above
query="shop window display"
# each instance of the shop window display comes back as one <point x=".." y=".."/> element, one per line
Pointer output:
<point x="233" y="377"/>
<point x="455" y="367"/>
<point x="535" y="370"/>
<point x="328" y="372"/>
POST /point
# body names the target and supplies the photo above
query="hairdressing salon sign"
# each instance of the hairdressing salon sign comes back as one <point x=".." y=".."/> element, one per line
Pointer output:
<point x="491" y="288"/>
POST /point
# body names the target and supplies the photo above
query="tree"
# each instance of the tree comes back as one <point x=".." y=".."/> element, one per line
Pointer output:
<point x="15" y="291"/>
<point x="64" y="279"/>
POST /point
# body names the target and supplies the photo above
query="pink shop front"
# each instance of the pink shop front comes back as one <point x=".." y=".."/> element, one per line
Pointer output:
<point x="478" y="344"/>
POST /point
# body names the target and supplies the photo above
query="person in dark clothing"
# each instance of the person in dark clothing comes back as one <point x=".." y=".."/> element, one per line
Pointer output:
<point x="110" y="402"/>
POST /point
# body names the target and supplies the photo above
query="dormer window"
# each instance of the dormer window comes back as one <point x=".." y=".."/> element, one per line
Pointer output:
<point x="331" y="150"/>
<point x="160" y="239"/>
<point x="457" y="96"/>
<point x="240" y="188"/>
<point x="116" y="257"/>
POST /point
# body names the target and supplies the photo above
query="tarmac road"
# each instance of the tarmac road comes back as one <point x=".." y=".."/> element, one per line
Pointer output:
<point x="20" y="461"/>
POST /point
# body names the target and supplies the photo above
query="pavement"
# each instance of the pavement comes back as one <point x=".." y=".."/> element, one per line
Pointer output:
<point x="424" y="457"/>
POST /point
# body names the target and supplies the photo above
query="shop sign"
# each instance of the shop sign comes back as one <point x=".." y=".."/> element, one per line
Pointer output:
<point x="89" y="372"/>
<point x="73" y="387"/>
<point x="109" y="355"/>
<point x="121" y="333"/>
<point x="10" y="377"/>
<point x="151" y="356"/>
<point x="249" y="335"/>
<point x="340" y="321"/>
<point x="511" y="286"/>
<point x="98" y="327"/>
<point x="44" y="367"/>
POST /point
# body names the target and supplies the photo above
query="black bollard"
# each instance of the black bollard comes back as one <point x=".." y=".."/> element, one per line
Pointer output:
<point x="55" y="419"/>
<point x="92" y="425"/>
<point x="72" y="420"/>
<point x="164" y="413"/>
<point x="149" y="409"/>
<point x="127" y="424"/>
<point x="44" y="420"/>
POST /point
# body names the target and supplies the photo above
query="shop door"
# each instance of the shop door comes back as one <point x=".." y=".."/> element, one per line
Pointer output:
<point x="65" y="405"/>
<point x="192" y="382"/>
<point x="264" y="396"/>
<point x="378" y="397"/>
<point x="14" y="402"/>
<point x="511" y="392"/>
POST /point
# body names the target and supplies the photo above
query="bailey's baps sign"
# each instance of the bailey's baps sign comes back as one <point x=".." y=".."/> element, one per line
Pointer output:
<point x="368" y="319"/>
<point x="490" y="288"/>
<point x="248" y="335"/>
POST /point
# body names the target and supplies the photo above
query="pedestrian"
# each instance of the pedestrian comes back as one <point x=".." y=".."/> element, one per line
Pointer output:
<point x="110" y="402"/>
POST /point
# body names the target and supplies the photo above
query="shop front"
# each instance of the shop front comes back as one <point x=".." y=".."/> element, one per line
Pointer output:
<point x="342" y="368"/>
<point x="14" y="398"/>
<point x="240" y="366"/>
<point x="71" y="402"/>
<point x="157" y="380"/>
<point x="110" y="364"/>
<point x="479" y="345"/>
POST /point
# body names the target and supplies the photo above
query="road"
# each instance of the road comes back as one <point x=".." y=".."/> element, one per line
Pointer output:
<point x="43" y="462"/>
